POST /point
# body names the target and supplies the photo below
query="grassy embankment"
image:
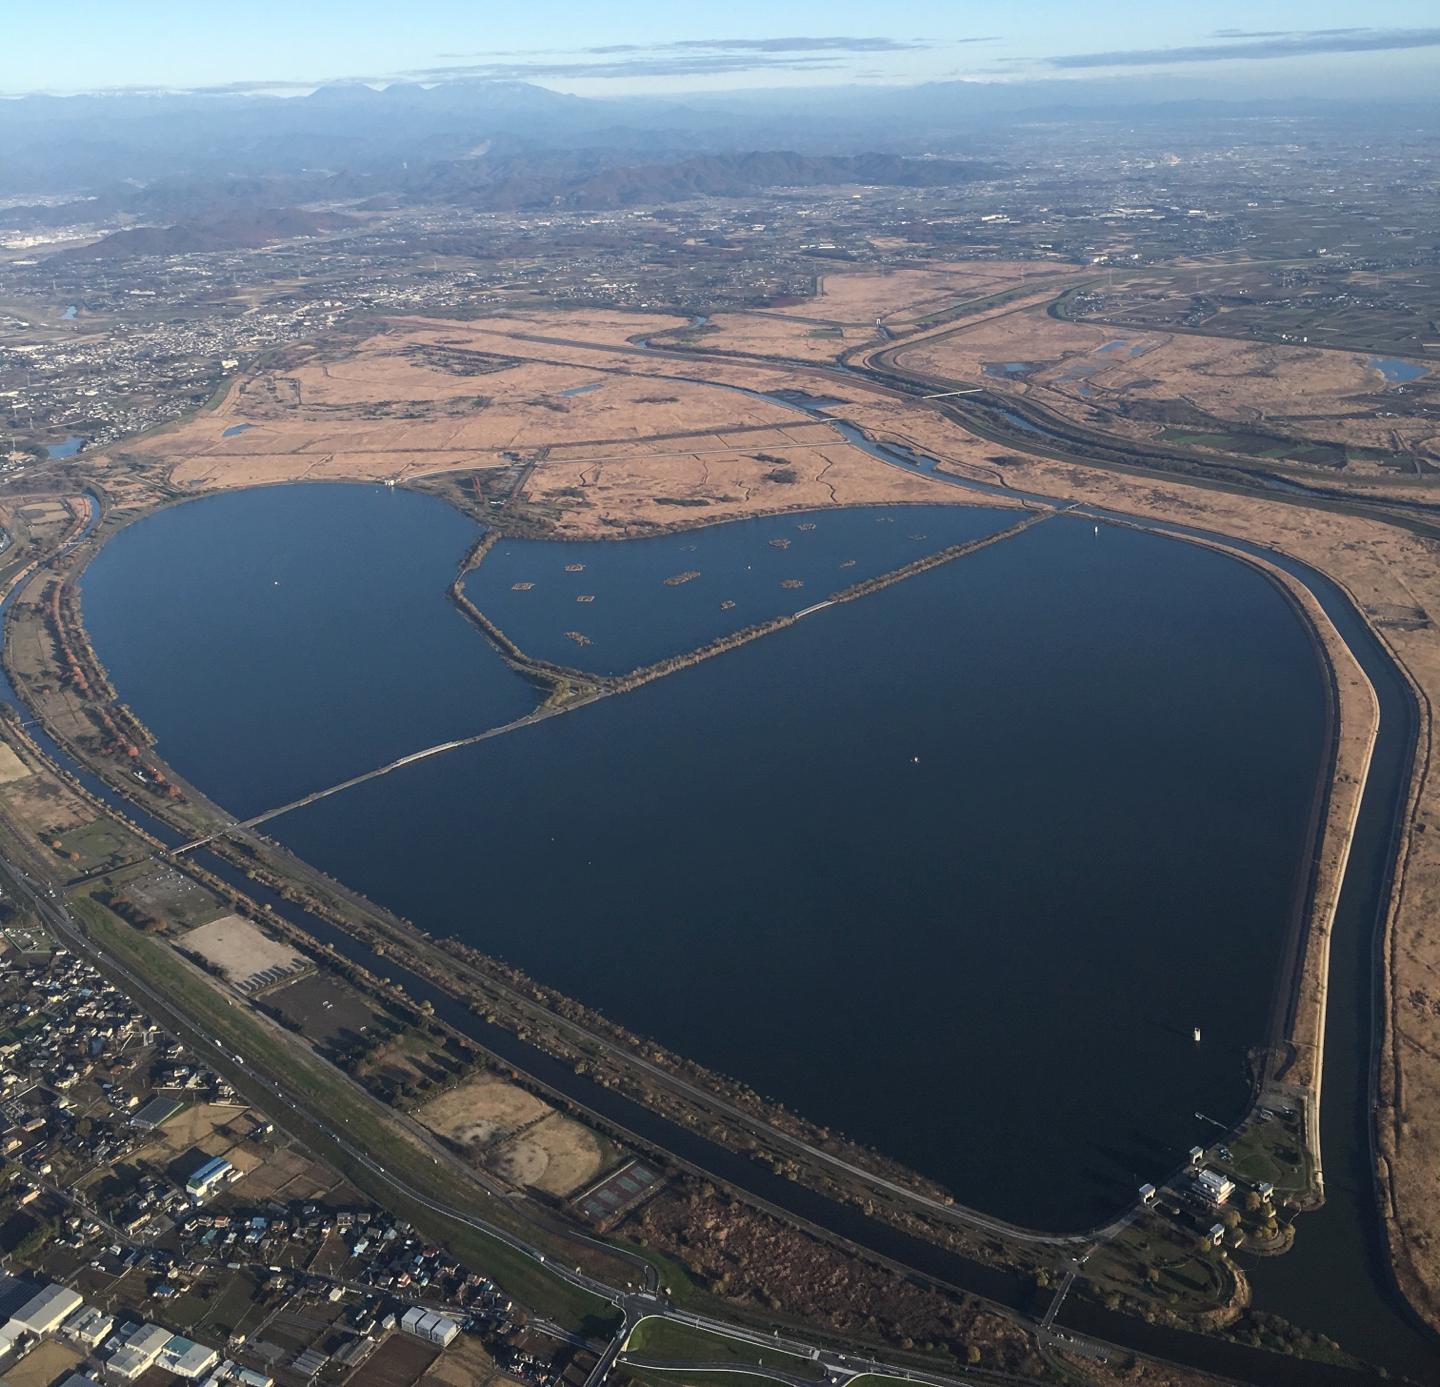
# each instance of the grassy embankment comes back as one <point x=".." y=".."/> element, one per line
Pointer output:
<point x="661" y="1339"/>
<point x="700" y="1377"/>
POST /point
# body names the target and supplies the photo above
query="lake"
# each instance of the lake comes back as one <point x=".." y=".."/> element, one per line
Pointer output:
<point x="284" y="638"/>
<point x="954" y="868"/>
<point x="610" y="606"/>
<point x="1396" y="370"/>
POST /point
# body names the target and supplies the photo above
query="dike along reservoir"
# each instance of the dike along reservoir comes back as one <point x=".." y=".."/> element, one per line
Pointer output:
<point x="954" y="868"/>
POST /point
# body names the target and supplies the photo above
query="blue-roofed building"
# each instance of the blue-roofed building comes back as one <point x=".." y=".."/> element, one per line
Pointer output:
<point x="214" y="1172"/>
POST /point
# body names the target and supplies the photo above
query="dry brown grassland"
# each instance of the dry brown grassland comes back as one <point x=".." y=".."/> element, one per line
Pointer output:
<point x="1309" y="393"/>
<point x="645" y="443"/>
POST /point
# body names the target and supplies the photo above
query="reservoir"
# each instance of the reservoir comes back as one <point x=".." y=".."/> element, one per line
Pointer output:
<point x="954" y="868"/>
<point x="608" y="606"/>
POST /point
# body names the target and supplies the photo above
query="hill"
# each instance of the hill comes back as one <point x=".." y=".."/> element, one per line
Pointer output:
<point x="232" y="232"/>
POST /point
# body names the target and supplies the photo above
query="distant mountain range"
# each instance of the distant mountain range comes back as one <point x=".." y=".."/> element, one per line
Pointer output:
<point x="179" y="216"/>
<point x="55" y="145"/>
<point x="536" y="183"/>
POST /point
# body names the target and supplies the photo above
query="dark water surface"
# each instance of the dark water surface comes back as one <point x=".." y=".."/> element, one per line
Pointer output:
<point x="641" y="600"/>
<point x="1395" y="370"/>
<point x="281" y="639"/>
<point x="954" y="868"/>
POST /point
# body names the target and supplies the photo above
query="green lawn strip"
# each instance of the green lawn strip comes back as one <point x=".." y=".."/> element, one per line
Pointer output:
<point x="702" y="1377"/>
<point x="99" y="842"/>
<point x="235" y="1030"/>
<point x="662" y="1338"/>
<point x="1269" y="1150"/>
<point x="675" y="1277"/>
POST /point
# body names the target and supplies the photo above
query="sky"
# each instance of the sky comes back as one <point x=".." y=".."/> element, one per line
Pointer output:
<point x="636" y="47"/>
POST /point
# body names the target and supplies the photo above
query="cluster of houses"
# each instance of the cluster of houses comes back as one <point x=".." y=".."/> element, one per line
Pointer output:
<point x="116" y="1354"/>
<point x="85" y="1079"/>
<point x="83" y="1017"/>
<point x="379" y="1251"/>
<point x="76" y="1049"/>
<point x="528" y="1366"/>
<point x="66" y="1024"/>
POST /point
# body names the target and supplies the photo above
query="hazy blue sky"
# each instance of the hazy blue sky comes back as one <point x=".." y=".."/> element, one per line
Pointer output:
<point x="599" y="47"/>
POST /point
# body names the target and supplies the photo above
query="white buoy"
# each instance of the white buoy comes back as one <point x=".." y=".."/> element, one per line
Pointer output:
<point x="1197" y="1035"/>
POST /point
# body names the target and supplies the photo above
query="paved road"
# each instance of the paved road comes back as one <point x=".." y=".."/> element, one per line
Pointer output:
<point x="1059" y="1298"/>
<point x="539" y="715"/>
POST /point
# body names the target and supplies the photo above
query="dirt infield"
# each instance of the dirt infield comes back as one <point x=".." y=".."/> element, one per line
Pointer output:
<point x="477" y="1112"/>
<point x="240" y="950"/>
<point x="11" y="766"/>
<point x="517" y="1136"/>
<point x="556" y="1155"/>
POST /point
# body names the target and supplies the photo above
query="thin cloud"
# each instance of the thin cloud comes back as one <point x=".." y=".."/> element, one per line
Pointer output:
<point x="832" y="43"/>
<point x="801" y="45"/>
<point x="707" y="57"/>
<point x="680" y="58"/>
<point x="1278" y="33"/>
<point x="1292" y="45"/>
<point x="677" y="65"/>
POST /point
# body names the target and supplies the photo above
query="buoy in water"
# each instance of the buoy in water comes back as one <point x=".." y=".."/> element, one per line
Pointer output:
<point x="1197" y="1035"/>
